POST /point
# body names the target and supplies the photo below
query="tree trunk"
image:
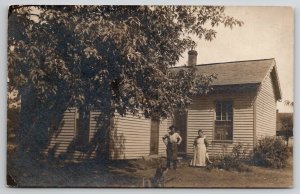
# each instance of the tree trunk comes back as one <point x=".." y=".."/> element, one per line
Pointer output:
<point x="35" y="120"/>
<point x="27" y="110"/>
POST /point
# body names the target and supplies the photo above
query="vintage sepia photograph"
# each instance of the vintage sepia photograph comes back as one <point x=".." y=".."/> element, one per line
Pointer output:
<point x="148" y="96"/>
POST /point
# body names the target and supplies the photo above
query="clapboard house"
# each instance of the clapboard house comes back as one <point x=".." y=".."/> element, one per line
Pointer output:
<point x="131" y="137"/>
<point x="241" y="108"/>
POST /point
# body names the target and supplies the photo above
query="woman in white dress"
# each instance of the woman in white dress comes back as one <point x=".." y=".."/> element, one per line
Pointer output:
<point x="200" y="154"/>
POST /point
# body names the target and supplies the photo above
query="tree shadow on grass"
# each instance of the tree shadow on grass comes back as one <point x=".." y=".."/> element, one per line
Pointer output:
<point x="31" y="173"/>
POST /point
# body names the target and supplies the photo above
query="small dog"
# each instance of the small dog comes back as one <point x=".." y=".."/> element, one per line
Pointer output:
<point x="159" y="178"/>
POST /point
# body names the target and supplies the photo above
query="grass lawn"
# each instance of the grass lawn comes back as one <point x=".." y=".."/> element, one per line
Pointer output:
<point x="131" y="173"/>
<point x="257" y="178"/>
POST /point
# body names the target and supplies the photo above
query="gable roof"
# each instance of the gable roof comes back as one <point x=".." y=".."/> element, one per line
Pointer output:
<point x="241" y="72"/>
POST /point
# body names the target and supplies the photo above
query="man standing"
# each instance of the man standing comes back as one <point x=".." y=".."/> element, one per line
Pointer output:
<point x="172" y="140"/>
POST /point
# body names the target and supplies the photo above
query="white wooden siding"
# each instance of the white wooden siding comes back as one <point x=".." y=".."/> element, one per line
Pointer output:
<point x="243" y="120"/>
<point x="201" y="115"/>
<point x="130" y="137"/>
<point x="63" y="141"/>
<point x="266" y="109"/>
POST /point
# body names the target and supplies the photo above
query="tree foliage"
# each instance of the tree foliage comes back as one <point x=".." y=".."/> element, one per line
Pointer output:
<point x="112" y="58"/>
<point x="289" y="103"/>
<point x="80" y="51"/>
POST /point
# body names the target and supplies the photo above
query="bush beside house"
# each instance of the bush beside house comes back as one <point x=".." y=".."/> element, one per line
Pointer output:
<point x="271" y="152"/>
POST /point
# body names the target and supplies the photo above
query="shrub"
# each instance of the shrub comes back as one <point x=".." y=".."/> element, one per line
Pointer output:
<point x="271" y="152"/>
<point x="234" y="161"/>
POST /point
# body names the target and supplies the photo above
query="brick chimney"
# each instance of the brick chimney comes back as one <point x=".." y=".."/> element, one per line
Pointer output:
<point x="192" y="57"/>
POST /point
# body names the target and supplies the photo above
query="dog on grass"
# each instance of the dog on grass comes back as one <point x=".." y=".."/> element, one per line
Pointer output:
<point x="159" y="178"/>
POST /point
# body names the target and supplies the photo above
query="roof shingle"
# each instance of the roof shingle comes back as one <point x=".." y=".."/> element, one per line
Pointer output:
<point x="238" y="72"/>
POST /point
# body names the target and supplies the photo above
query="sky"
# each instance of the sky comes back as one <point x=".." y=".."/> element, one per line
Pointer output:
<point x="268" y="32"/>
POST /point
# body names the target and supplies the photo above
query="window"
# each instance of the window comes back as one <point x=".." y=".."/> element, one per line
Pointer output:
<point x="82" y="128"/>
<point x="223" y="120"/>
<point x="154" y="136"/>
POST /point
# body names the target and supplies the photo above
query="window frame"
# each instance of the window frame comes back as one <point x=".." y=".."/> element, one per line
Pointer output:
<point x="79" y="144"/>
<point x="227" y="120"/>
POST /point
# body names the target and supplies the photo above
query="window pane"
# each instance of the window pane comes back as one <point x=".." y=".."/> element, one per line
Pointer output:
<point x="221" y="130"/>
<point x="223" y="123"/>
<point x="218" y="111"/>
<point x="224" y="113"/>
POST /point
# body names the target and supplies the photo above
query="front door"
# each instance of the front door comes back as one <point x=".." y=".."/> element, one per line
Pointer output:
<point x="180" y="122"/>
<point x="154" y="136"/>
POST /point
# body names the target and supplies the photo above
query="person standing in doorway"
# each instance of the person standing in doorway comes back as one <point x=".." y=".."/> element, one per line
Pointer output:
<point x="172" y="140"/>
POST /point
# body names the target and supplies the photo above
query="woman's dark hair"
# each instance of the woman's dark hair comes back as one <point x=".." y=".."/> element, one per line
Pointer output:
<point x="200" y="130"/>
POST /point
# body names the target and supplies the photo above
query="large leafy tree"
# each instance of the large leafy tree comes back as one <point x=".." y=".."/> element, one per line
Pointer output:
<point x="116" y="59"/>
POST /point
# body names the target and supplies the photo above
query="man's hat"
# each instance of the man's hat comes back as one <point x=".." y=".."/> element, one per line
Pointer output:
<point x="172" y="127"/>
